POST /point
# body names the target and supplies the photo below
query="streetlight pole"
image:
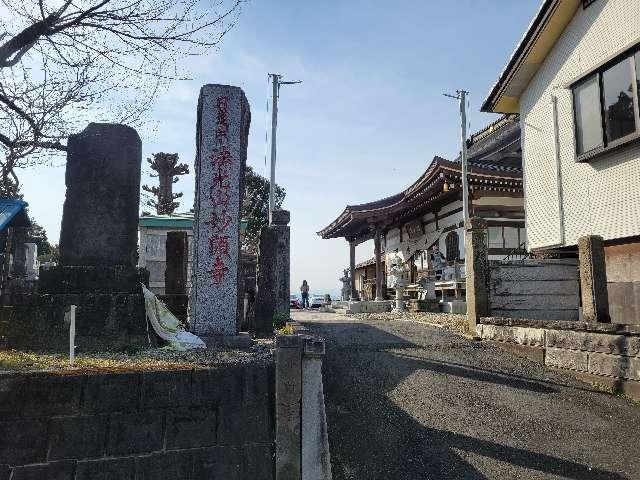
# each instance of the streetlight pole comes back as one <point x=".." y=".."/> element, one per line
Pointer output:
<point x="461" y="96"/>
<point x="276" y="79"/>
<point x="274" y="126"/>
<point x="463" y="131"/>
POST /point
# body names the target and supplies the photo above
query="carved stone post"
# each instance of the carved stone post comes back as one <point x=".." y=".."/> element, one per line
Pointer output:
<point x="378" y="254"/>
<point x="593" y="279"/>
<point x="282" y="290"/>
<point x="477" y="268"/>
<point x="221" y="155"/>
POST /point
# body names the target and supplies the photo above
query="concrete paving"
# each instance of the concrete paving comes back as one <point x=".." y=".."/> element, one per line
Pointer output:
<point x="410" y="401"/>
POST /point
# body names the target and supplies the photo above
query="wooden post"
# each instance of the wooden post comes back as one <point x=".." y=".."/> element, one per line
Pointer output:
<point x="352" y="269"/>
<point x="477" y="268"/>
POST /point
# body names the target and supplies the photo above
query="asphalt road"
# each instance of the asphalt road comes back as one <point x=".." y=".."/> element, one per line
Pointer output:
<point x="409" y="401"/>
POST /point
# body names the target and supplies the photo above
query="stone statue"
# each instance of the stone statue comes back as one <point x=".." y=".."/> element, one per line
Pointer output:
<point x="346" y="285"/>
<point x="397" y="272"/>
<point x="398" y="280"/>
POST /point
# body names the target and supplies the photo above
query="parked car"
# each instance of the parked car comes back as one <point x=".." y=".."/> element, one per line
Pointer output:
<point x="316" y="301"/>
<point x="294" y="302"/>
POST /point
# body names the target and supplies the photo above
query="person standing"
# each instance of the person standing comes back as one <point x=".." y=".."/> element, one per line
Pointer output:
<point x="304" y="290"/>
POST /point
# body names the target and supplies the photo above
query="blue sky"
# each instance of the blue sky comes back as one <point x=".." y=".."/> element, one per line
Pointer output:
<point x="364" y="124"/>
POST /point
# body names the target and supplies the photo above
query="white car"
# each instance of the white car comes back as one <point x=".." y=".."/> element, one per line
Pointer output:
<point x="316" y="301"/>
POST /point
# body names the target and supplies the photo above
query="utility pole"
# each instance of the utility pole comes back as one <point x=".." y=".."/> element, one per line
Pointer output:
<point x="276" y="79"/>
<point x="461" y="96"/>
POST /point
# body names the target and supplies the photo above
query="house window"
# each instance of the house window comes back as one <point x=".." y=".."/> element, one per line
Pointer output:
<point x="506" y="237"/>
<point x="606" y="105"/>
<point x="452" y="247"/>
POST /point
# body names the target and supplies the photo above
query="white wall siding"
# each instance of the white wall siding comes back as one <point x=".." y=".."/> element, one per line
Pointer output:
<point x="601" y="196"/>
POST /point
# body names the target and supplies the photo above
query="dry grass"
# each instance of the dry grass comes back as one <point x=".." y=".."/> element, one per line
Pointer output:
<point x="144" y="360"/>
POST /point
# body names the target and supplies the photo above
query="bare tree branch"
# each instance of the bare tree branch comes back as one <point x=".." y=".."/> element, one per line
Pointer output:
<point x="65" y="63"/>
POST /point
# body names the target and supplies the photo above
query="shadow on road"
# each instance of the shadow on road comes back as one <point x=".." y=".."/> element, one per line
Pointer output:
<point x="371" y="437"/>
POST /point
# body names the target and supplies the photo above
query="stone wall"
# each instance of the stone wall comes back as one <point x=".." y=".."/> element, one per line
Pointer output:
<point x="609" y="354"/>
<point x="188" y="424"/>
<point x="534" y="289"/>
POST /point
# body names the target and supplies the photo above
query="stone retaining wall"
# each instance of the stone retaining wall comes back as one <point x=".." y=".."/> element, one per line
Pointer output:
<point x="608" y="352"/>
<point x="188" y="424"/>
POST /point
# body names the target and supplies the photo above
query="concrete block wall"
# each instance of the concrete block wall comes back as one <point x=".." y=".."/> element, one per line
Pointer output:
<point x="609" y="351"/>
<point x="187" y="424"/>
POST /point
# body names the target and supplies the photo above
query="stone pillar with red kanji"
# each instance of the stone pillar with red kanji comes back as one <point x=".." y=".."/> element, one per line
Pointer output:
<point x="221" y="155"/>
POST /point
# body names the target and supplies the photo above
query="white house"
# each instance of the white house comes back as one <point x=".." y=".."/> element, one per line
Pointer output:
<point x="574" y="80"/>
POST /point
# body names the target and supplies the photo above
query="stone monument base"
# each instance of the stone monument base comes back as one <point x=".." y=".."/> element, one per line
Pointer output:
<point x="92" y="280"/>
<point x="103" y="321"/>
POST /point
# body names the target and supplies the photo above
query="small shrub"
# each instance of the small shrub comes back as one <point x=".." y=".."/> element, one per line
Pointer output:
<point x="280" y="320"/>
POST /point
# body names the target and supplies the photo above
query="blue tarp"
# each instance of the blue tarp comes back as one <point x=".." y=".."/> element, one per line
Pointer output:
<point x="9" y="208"/>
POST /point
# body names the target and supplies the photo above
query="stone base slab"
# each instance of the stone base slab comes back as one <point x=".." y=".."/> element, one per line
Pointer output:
<point x="241" y="340"/>
<point x="370" y="306"/>
<point x="92" y="280"/>
<point x="427" y="305"/>
<point x="458" y="307"/>
<point x="37" y="322"/>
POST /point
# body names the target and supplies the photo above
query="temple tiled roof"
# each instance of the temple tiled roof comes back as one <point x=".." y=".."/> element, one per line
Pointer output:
<point x="495" y="163"/>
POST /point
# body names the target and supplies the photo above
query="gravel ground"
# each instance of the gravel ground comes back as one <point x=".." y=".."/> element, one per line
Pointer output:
<point x="412" y="401"/>
<point x="451" y="321"/>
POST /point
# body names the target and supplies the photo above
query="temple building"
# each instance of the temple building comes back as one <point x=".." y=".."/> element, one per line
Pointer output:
<point x="429" y="213"/>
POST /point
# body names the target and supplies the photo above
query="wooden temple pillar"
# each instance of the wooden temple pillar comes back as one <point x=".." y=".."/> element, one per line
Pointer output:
<point x="378" y="254"/>
<point x="354" y="297"/>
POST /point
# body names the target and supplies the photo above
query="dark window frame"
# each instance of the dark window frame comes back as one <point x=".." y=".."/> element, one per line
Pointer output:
<point x="449" y="243"/>
<point x="608" y="146"/>
<point x="522" y="235"/>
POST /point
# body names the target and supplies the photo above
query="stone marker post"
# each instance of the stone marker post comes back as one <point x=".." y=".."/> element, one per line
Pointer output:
<point x="593" y="279"/>
<point x="288" y="405"/>
<point x="221" y="155"/>
<point x="315" y="455"/>
<point x="280" y="222"/>
<point x="177" y="261"/>
<point x="477" y="268"/>
<point x="266" y="301"/>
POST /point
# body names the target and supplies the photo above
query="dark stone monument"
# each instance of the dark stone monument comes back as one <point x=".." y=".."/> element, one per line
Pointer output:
<point x="177" y="261"/>
<point x="99" y="234"/>
<point x="98" y="252"/>
<point x="175" y="275"/>
<point x="267" y="279"/>
<point x="100" y="216"/>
